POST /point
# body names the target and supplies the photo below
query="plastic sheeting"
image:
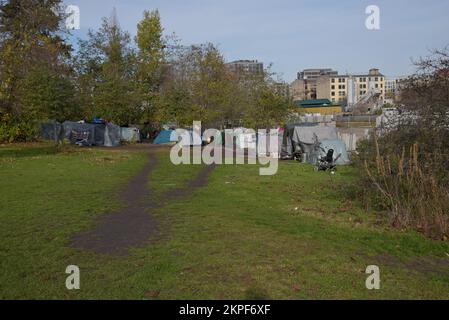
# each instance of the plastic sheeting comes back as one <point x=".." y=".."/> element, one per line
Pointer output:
<point x="112" y="135"/>
<point x="130" y="135"/>
<point x="340" y="151"/>
<point x="86" y="134"/>
<point x="303" y="137"/>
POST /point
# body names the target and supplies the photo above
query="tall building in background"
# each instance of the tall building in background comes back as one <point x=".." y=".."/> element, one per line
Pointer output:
<point x="352" y="88"/>
<point x="246" y="67"/>
<point x="305" y="86"/>
<point x="393" y="88"/>
<point x="313" y="74"/>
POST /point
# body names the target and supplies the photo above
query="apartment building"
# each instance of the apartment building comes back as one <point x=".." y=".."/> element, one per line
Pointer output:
<point x="246" y="67"/>
<point x="393" y="88"/>
<point x="305" y="86"/>
<point x="349" y="89"/>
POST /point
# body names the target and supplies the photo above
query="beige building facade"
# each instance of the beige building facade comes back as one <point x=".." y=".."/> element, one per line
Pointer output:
<point x="344" y="89"/>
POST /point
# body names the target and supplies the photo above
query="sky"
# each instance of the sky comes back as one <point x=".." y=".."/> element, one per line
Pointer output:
<point x="293" y="34"/>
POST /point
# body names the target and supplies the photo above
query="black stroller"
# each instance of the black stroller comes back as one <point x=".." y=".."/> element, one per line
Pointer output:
<point x="327" y="163"/>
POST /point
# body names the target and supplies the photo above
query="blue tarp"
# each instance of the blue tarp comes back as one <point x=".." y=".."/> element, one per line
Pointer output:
<point x="164" y="137"/>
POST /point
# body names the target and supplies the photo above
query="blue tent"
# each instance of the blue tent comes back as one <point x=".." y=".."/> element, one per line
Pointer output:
<point x="164" y="137"/>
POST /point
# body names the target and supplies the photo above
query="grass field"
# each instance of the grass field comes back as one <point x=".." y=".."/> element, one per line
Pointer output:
<point x="294" y="235"/>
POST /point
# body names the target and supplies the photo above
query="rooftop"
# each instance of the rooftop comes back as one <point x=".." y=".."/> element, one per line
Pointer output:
<point x="314" y="103"/>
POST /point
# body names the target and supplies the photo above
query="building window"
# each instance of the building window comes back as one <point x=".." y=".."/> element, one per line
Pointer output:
<point x="333" y="87"/>
<point x="332" y="93"/>
<point x="333" y="80"/>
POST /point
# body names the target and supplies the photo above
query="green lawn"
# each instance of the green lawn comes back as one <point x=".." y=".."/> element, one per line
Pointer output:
<point x="289" y="236"/>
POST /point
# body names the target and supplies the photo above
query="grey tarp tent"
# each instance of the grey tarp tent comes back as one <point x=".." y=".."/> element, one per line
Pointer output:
<point x="320" y="150"/>
<point x="131" y="135"/>
<point x="303" y="137"/>
<point x="82" y="133"/>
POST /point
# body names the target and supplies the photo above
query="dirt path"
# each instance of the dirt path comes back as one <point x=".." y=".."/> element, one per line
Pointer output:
<point x="133" y="225"/>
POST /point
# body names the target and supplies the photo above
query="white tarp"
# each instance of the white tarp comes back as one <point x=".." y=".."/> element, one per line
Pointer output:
<point x="130" y="134"/>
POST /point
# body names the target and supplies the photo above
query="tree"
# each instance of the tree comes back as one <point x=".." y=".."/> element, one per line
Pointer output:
<point x="268" y="111"/>
<point x="30" y="39"/>
<point x="150" y="61"/>
<point x="49" y="95"/>
<point x="106" y="67"/>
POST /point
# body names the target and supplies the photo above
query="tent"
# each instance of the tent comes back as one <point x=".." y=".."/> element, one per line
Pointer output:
<point x="164" y="137"/>
<point x="188" y="138"/>
<point x="130" y="135"/>
<point x="324" y="146"/>
<point x="89" y="134"/>
<point x="303" y="137"/>
<point x="86" y="134"/>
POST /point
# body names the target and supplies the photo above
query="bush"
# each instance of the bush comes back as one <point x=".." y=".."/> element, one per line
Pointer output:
<point x="16" y="130"/>
<point x="411" y="185"/>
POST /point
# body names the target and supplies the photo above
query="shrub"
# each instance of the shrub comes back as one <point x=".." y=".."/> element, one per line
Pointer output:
<point x="16" y="130"/>
<point x="410" y="185"/>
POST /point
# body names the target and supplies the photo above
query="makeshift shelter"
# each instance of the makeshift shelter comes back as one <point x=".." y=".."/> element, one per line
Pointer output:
<point x="303" y="137"/>
<point x="86" y="134"/>
<point x="112" y="136"/>
<point x="131" y="135"/>
<point x="89" y="134"/>
<point x="321" y="149"/>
